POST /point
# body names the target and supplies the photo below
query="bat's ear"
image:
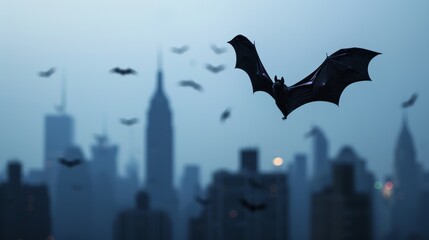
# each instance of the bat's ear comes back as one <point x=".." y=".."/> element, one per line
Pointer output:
<point x="275" y="78"/>
<point x="282" y="80"/>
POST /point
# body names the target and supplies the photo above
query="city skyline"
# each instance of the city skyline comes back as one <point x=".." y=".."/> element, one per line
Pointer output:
<point x="94" y="94"/>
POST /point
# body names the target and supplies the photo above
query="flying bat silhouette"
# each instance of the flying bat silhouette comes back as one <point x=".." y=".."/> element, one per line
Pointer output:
<point x="48" y="73"/>
<point x="192" y="84"/>
<point x="252" y="207"/>
<point x="217" y="50"/>
<point x="180" y="50"/>
<point x="215" y="69"/>
<point x="202" y="201"/>
<point x="225" y="115"/>
<point x="129" y="122"/>
<point x="70" y="163"/>
<point x="410" y="102"/>
<point x="123" y="71"/>
<point x="326" y="83"/>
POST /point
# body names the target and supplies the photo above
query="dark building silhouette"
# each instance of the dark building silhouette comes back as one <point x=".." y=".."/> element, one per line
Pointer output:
<point x="73" y="208"/>
<point x="127" y="186"/>
<point x="423" y="215"/>
<point x="189" y="189"/>
<point x="321" y="172"/>
<point x="24" y="209"/>
<point x="226" y="218"/>
<point x="142" y="222"/>
<point x="406" y="181"/>
<point x="299" y="186"/>
<point x="340" y="212"/>
<point x="104" y="180"/>
<point x="159" y="153"/>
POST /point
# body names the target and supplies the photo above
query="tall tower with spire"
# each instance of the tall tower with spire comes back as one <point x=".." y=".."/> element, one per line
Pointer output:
<point x="406" y="185"/>
<point x="159" y="150"/>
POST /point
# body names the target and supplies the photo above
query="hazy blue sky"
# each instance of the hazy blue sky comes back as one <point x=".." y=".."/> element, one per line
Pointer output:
<point x="87" y="38"/>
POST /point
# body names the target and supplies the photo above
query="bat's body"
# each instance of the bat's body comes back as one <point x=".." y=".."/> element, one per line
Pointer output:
<point x="48" y="73"/>
<point x="410" y="102"/>
<point x="123" y="71"/>
<point x="326" y="83"/>
<point x="129" y="122"/>
<point x="70" y="163"/>
<point x="180" y="50"/>
<point x="215" y="69"/>
<point x="217" y="49"/>
<point x="252" y="207"/>
<point x="225" y="115"/>
<point x="192" y="84"/>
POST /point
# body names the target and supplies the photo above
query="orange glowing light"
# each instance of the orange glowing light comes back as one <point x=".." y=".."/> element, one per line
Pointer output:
<point x="278" y="161"/>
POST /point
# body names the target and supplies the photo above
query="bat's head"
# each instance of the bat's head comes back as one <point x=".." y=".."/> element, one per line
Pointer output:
<point x="279" y="85"/>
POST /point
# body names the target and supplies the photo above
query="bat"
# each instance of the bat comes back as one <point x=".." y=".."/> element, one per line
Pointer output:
<point x="410" y="102"/>
<point x="217" y="50"/>
<point x="252" y="207"/>
<point x="225" y="115"/>
<point x="326" y="83"/>
<point x="202" y="201"/>
<point x="123" y="71"/>
<point x="129" y="122"/>
<point x="180" y="50"/>
<point x="48" y="73"/>
<point x="215" y="69"/>
<point x="192" y="84"/>
<point x="70" y="163"/>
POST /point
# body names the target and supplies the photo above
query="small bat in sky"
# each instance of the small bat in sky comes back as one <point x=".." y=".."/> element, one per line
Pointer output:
<point x="225" y="115"/>
<point x="48" y="73"/>
<point x="215" y="69"/>
<point x="202" y="201"/>
<point x="129" y="122"/>
<point x="70" y="163"/>
<point x="326" y="83"/>
<point x="192" y="84"/>
<point x="410" y="102"/>
<point x="217" y="50"/>
<point x="123" y="71"/>
<point x="180" y="50"/>
<point x="252" y="207"/>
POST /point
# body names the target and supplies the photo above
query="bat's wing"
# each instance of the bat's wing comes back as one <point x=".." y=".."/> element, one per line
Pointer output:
<point x="328" y="81"/>
<point x="248" y="60"/>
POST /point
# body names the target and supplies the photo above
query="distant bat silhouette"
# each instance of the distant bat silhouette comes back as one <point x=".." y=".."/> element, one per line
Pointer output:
<point x="180" y="50"/>
<point x="192" y="84"/>
<point x="256" y="185"/>
<point x="48" y="73"/>
<point x="252" y="207"/>
<point x="326" y="83"/>
<point x="70" y="163"/>
<point x="123" y="71"/>
<point x="215" y="69"/>
<point x="217" y="50"/>
<point x="129" y="122"/>
<point x="202" y="201"/>
<point x="225" y="115"/>
<point x="410" y="102"/>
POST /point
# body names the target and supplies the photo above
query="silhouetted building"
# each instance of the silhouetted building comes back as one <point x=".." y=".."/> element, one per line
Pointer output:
<point x="59" y="136"/>
<point x="127" y="186"/>
<point x="159" y="153"/>
<point x="423" y="215"/>
<point x="142" y="222"/>
<point x="104" y="180"/>
<point x="299" y="215"/>
<point x="264" y="216"/>
<point x="340" y="212"/>
<point x="406" y="181"/>
<point x="189" y="189"/>
<point x="24" y="210"/>
<point x="321" y="172"/>
<point x="73" y="208"/>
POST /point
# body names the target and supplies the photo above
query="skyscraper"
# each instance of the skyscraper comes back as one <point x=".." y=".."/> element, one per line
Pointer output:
<point x="406" y="186"/>
<point x="321" y="172"/>
<point x="104" y="187"/>
<point x="159" y="152"/>
<point x="59" y="135"/>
